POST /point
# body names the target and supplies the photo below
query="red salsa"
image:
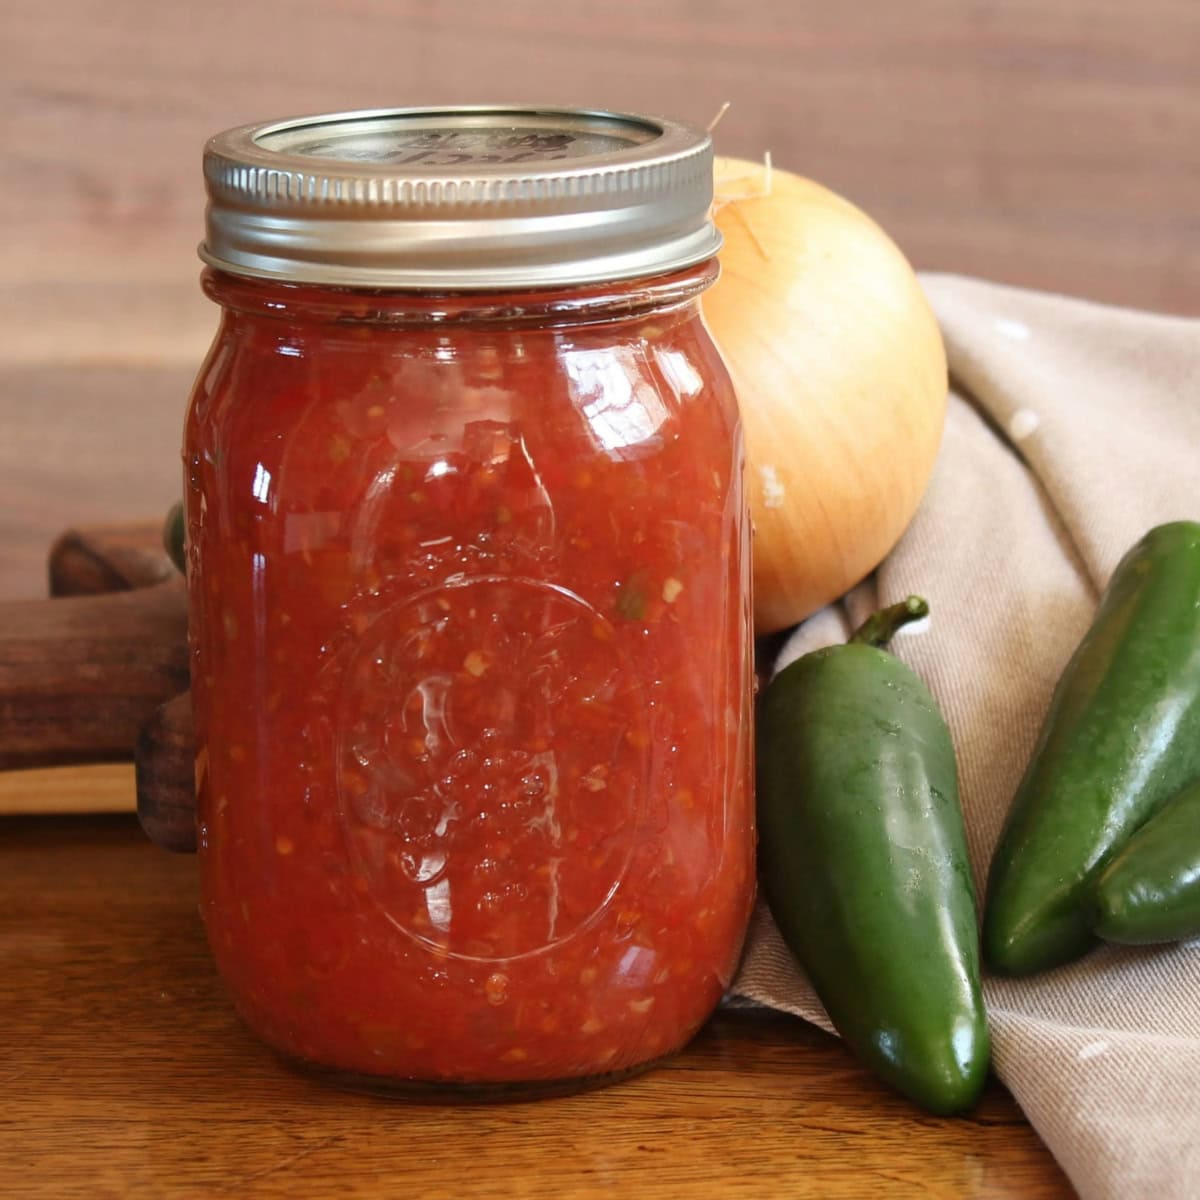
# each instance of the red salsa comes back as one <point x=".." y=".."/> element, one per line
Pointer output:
<point x="471" y="634"/>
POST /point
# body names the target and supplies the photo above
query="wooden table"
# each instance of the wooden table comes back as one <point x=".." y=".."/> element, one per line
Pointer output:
<point x="126" y="1074"/>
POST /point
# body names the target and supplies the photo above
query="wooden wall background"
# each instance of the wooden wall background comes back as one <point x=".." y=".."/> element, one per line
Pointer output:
<point x="1053" y="143"/>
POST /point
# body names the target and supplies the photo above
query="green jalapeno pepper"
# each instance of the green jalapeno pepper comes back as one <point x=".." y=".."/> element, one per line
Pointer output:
<point x="864" y="862"/>
<point x="1121" y="737"/>
<point x="1150" y="892"/>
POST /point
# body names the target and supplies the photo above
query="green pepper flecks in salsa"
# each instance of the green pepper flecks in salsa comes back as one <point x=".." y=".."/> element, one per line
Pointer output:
<point x="472" y="676"/>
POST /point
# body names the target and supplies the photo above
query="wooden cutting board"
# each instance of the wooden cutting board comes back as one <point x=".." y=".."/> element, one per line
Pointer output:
<point x="92" y="788"/>
<point x="83" y="671"/>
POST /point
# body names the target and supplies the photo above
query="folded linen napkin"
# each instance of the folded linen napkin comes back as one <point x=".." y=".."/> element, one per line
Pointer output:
<point x="1072" y="429"/>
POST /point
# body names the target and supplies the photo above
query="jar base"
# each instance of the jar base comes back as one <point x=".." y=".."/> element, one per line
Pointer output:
<point x="449" y="1092"/>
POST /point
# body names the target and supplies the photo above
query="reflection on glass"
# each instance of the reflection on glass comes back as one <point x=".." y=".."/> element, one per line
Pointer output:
<point x="621" y="409"/>
<point x="261" y="487"/>
<point x="681" y="376"/>
<point x="437" y="904"/>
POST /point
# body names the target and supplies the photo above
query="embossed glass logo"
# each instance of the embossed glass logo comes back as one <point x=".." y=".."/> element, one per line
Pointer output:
<point x="492" y="761"/>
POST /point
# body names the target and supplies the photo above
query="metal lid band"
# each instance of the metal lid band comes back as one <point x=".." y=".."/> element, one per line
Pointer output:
<point x="459" y="198"/>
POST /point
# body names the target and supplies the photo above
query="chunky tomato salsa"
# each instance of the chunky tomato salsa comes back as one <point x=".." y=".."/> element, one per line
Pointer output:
<point x="471" y="674"/>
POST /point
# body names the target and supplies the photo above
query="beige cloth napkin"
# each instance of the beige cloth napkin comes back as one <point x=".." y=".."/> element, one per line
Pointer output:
<point x="1072" y="429"/>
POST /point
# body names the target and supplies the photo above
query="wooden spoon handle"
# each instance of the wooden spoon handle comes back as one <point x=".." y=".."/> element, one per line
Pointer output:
<point x="164" y="760"/>
<point x="109" y="558"/>
<point x="79" y="675"/>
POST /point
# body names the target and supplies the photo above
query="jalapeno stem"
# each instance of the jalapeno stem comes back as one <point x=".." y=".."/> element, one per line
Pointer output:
<point x="173" y="536"/>
<point x="879" y="628"/>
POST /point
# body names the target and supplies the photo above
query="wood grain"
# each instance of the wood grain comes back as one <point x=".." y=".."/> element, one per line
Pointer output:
<point x="164" y="761"/>
<point x="126" y="1074"/>
<point x="82" y="443"/>
<point x="1053" y="145"/>
<point x="92" y="788"/>
<point x="79" y="675"/>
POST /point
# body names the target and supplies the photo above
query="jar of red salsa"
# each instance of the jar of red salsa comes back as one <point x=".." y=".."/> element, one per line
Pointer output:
<point x="468" y="566"/>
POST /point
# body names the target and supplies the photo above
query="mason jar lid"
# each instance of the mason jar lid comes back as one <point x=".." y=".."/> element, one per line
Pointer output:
<point x="459" y="198"/>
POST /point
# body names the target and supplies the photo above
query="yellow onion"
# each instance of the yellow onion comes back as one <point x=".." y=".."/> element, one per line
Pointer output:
<point x="841" y="376"/>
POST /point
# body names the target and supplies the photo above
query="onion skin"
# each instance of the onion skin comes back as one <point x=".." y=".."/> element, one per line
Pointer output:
<point x="840" y="372"/>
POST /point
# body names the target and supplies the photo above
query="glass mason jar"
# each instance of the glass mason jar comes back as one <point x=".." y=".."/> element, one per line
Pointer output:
<point x="468" y="567"/>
